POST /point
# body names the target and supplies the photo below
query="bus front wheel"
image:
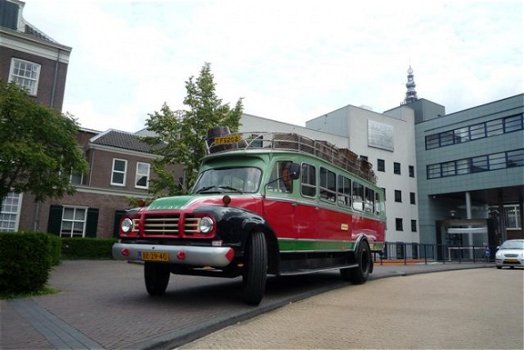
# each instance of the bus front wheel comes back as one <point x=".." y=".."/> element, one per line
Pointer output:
<point x="156" y="277"/>
<point x="255" y="274"/>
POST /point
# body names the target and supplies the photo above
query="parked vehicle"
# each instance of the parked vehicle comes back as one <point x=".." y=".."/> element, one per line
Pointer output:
<point x="263" y="204"/>
<point x="510" y="253"/>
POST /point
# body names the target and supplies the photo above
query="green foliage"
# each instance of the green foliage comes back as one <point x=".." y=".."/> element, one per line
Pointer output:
<point x="25" y="262"/>
<point x="38" y="148"/>
<point x="181" y="134"/>
<point x="55" y="249"/>
<point x="87" y="248"/>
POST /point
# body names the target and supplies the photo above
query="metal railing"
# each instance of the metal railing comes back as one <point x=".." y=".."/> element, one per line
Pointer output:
<point x="422" y="253"/>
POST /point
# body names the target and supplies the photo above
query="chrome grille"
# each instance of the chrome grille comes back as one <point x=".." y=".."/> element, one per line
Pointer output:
<point x="191" y="225"/>
<point x="162" y="225"/>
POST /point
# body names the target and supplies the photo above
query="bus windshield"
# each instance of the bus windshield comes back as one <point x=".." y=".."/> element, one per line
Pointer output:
<point x="236" y="180"/>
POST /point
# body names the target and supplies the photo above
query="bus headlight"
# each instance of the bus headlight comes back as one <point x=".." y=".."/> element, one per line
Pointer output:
<point x="126" y="225"/>
<point x="206" y="224"/>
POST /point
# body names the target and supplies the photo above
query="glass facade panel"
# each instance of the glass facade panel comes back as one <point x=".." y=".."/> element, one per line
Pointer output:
<point x="479" y="164"/>
<point x="477" y="131"/>
<point x="513" y="123"/>
<point x="494" y="127"/>
<point x="448" y="169"/>
<point x="432" y="141"/>
<point x="497" y="161"/>
<point x="515" y="158"/>
<point x="447" y="138"/>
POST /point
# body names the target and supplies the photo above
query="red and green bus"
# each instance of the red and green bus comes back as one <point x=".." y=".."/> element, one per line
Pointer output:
<point x="264" y="204"/>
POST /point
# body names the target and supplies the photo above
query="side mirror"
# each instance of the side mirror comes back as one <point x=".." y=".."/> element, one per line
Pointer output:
<point x="294" y="171"/>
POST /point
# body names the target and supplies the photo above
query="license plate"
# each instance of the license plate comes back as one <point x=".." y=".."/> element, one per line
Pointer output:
<point x="511" y="260"/>
<point x="155" y="256"/>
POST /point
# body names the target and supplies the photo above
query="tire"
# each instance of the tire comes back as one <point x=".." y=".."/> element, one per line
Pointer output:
<point x="499" y="267"/>
<point x="359" y="274"/>
<point x="255" y="274"/>
<point x="156" y="277"/>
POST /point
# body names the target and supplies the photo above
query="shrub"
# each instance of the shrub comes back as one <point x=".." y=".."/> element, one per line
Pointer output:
<point x="87" y="248"/>
<point x="55" y="249"/>
<point x="25" y="261"/>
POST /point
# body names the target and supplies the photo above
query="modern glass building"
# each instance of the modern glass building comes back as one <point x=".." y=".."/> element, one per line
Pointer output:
<point x="470" y="171"/>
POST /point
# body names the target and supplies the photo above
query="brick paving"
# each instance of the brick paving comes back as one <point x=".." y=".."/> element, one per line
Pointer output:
<point x="103" y="304"/>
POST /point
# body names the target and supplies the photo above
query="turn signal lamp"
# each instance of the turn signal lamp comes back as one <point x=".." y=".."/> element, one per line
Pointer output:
<point x="226" y="199"/>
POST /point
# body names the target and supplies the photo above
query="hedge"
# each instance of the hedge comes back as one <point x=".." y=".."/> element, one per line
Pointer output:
<point x="87" y="248"/>
<point x="26" y="260"/>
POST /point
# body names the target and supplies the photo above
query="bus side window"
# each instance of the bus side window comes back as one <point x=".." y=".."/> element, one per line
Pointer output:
<point x="328" y="185"/>
<point x="308" y="186"/>
<point x="344" y="191"/>
<point x="281" y="172"/>
<point x="358" y="196"/>
<point x="370" y="199"/>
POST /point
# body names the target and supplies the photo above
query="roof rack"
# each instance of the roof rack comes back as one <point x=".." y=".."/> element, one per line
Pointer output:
<point x="220" y="140"/>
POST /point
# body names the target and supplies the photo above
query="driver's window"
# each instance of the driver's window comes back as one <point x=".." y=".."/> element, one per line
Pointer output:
<point x="281" y="172"/>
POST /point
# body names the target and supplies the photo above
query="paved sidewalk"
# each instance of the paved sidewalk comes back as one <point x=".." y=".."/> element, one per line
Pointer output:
<point x="103" y="305"/>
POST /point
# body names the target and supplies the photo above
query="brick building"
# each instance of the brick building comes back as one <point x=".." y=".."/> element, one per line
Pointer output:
<point x="119" y="163"/>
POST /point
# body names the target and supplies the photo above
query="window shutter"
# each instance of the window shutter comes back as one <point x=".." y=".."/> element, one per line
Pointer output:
<point x="92" y="222"/>
<point x="55" y="219"/>
<point x="116" y="226"/>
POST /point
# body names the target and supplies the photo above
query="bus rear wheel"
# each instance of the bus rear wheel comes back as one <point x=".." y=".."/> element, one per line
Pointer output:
<point x="255" y="274"/>
<point x="360" y="273"/>
<point x="156" y="277"/>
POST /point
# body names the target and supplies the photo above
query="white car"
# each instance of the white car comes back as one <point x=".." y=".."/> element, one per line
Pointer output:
<point x="510" y="253"/>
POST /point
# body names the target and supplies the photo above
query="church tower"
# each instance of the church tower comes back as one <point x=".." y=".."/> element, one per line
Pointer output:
<point x="411" y="93"/>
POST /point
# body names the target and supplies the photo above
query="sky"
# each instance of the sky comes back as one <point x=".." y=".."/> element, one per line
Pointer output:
<point x="288" y="60"/>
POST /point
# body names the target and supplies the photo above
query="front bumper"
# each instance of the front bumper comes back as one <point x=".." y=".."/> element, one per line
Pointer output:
<point x="509" y="262"/>
<point x="182" y="255"/>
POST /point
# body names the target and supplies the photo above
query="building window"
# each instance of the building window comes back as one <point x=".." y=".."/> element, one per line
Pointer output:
<point x="396" y="168"/>
<point x="411" y="171"/>
<point x="412" y="199"/>
<point x="513" y="123"/>
<point x="76" y="178"/>
<point x="381" y="165"/>
<point x="25" y="74"/>
<point x="413" y="225"/>
<point x="118" y="177"/>
<point x="142" y="175"/>
<point x="515" y="158"/>
<point x="398" y="224"/>
<point x="477" y="131"/>
<point x="10" y="212"/>
<point x="398" y="196"/>
<point x="364" y="157"/>
<point x="512" y="214"/>
<point x="384" y="189"/>
<point x="73" y="222"/>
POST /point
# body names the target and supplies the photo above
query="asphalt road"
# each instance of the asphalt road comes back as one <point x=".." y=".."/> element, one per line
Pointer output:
<point x="467" y="309"/>
<point x="103" y="304"/>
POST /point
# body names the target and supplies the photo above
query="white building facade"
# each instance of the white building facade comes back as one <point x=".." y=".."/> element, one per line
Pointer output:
<point x="386" y="140"/>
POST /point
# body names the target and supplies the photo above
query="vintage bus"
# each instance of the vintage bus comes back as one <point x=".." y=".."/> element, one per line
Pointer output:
<point x="263" y="204"/>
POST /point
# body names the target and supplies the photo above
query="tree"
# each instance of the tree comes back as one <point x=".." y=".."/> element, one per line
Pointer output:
<point x="38" y="148"/>
<point x="180" y="135"/>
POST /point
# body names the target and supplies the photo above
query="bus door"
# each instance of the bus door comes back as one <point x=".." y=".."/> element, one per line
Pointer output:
<point x="280" y="205"/>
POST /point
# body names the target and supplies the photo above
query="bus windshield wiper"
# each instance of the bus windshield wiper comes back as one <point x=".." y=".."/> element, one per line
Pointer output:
<point x="230" y="188"/>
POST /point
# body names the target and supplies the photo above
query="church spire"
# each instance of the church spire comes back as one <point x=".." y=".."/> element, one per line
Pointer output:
<point x="411" y="93"/>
